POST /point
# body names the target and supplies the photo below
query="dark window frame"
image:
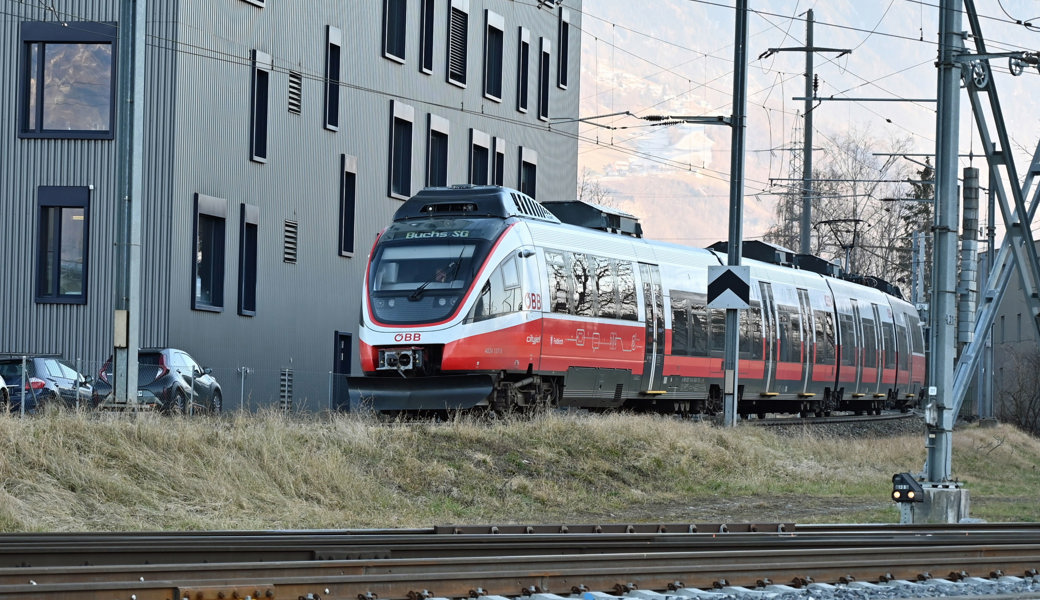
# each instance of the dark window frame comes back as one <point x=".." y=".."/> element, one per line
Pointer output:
<point x="523" y="71"/>
<point x="347" y="204"/>
<point x="563" y="35"/>
<point x="333" y="70"/>
<point x="47" y="289"/>
<point x="479" y="170"/>
<point x="43" y="33"/>
<point x="248" y="257"/>
<point x="395" y="26"/>
<point x="213" y="210"/>
<point x="527" y="177"/>
<point x="494" y="54"/>
<point x="544" y="66"/>
<point x="427" y="10"/>
<point x="437" y="144"/>
<point x="260" y="106"/>
<point x="498" y="164"/>
<point x="402" y="123"/>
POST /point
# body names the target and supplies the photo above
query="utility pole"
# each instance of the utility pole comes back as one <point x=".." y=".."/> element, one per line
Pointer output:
<point x="810" y="84"/>
<point x="736" y="209"/>
<point x="130" y="144"/>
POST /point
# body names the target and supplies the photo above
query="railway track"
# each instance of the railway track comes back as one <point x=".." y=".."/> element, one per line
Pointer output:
<point x="637" y="563"/>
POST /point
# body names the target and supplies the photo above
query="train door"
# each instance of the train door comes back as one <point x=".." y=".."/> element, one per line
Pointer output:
<point x="879" y="349"/>
<point x="769" y="334"/>
<point x="653" y="301"/>
<point x="808" y="337"/>
<point x="859" y="345"/>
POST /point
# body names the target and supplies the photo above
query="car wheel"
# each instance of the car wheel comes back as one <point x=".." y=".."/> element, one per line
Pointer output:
<point x="217" y="405"/>
<point x="179" y="404"/>
<point x="5" y="400"/>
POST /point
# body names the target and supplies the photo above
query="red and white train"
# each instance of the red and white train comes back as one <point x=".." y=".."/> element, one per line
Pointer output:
<point x="481" y="296"/>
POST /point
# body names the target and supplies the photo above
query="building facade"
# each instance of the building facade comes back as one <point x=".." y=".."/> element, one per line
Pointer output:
<point x="280" y="137"/>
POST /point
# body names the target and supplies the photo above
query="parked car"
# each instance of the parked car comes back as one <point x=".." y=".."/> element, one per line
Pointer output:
<point x="49" y="379"/>
<point x="168" y="380"/>
<point x="5" y="396"/>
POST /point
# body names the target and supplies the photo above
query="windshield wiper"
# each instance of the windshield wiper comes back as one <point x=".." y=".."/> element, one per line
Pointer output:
<point x="417" y="294"/>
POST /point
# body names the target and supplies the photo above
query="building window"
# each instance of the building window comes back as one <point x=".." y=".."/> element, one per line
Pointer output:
<point x="494" y="39"/>
<point x="249" y="243"/>
<point x="498" y="167"/>
<point x="208" y="261"/>
<point x="395" y="13"/>
<point x="347" y="203"/>
<point x="479" y="157"/>
<point x="333" y="48"/>
<point x="437" y="152"/>
<point x="543" y="80"/>
<point x="290" y="242"/>
<point x="426" y="36"/>
<point x="262" y="67"/>
<point x="458" y="30"/>
<point x="402" y="117"/>
<point x="528" y="175"/>
<point x="61" y="262"/>
<point x="523" y="70"/>
<point x="564" y="34"/>
<point x="295" y="92"/>
<point x="68" y="80"/>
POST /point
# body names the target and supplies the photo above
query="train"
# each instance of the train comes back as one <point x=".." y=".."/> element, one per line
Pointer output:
<point x="482" y="298"/>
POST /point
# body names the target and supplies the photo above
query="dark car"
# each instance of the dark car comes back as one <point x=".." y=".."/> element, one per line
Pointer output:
<point x="168" y="380"/>
<point x="49" y="380"/>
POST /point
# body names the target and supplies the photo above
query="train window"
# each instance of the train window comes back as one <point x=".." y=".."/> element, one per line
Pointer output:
<point x="847" y="336"/>
<point x="888" y="339"/>
<point x="790" y="334"/>
<point x="869" y="344"/>
<point x="718" y="331"/>
<point x="680" y="324"/>
<point x="902" y="344"/>
<point x="699" y="326"/>
<point x="606" y="290"/>
<point x="626" y="284"/>
<point x="584" y="296"/>
<point x="559" y="281"/>
<point x="751" y="332"/>
<point x="825" y="348"/>
<point x="916" y="337"/>
<point x="501" y="293"/>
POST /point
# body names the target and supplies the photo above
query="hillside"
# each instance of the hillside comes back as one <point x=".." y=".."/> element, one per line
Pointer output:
<point x="110" y="472"/>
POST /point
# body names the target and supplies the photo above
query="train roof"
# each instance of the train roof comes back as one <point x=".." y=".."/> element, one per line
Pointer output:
<point x="472" y="201"/>
<point x="595" y="216"/>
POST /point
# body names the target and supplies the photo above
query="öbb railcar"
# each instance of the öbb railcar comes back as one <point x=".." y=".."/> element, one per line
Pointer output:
<point x="479" y="296"/>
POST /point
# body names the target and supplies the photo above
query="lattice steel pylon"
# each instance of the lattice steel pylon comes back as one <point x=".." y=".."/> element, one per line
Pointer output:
<point x="1017" y="252"/>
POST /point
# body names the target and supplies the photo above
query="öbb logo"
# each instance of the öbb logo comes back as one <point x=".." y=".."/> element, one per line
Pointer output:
<point x="407" y="337"/>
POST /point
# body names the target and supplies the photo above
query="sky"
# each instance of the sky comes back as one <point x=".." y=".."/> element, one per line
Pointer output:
<point x="676" y="57"/>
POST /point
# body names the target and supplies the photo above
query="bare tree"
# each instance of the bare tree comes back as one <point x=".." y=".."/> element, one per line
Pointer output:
<point x="1018" y="401"/>
<point x="590" y="190"/>
<point x="861" y="209"/>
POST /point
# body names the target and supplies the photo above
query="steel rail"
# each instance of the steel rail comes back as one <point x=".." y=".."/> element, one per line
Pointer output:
<point x="463" y="577"/>
<point x="47" y="550"/>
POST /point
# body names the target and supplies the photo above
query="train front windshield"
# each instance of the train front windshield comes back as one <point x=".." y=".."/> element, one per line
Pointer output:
<point x="422" y="280"/>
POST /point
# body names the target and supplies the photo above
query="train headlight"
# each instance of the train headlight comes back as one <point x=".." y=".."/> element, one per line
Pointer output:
<point x="906" y="489"/>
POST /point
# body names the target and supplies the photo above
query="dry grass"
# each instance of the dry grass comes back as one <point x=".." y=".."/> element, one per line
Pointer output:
<point x="109" y="472"/>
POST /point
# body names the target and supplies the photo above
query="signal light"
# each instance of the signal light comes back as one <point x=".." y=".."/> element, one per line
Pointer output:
<point x="906" y="489"/>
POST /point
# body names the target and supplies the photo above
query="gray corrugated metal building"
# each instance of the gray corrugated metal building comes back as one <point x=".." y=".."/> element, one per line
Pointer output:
<point x="279" y="139"/>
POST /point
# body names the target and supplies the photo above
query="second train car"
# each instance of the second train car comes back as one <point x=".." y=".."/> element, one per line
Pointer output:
<point x="479" y="296"/>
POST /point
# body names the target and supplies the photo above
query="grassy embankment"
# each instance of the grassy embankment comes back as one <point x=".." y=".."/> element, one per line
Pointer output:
<point x="109" y="472"/>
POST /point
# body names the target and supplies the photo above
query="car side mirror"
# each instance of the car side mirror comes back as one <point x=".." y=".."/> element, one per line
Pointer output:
<point x="207" y="370"/>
